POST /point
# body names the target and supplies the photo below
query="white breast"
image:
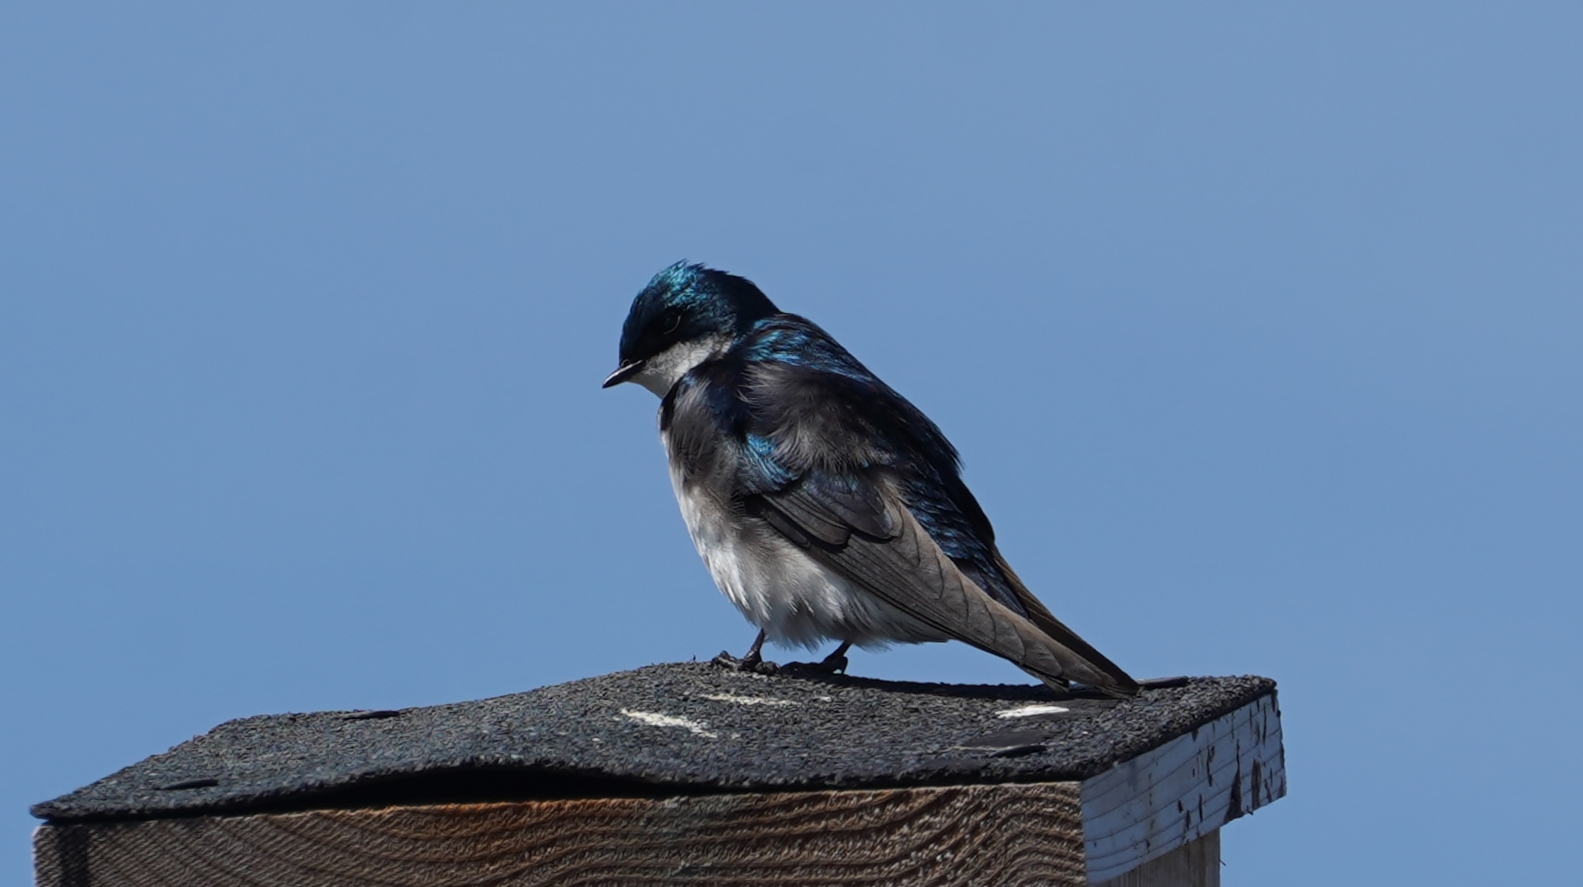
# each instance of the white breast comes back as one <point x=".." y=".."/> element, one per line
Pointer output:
<point x="779" y="588"/>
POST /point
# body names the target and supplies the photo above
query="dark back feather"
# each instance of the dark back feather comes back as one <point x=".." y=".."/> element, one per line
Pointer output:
<point x="797" y="401"/>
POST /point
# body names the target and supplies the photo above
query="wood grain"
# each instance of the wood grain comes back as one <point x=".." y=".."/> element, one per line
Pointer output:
<point x="1001" y="835"/>
<point x="1183" y="790"/>
<point x="1194" y="864"/>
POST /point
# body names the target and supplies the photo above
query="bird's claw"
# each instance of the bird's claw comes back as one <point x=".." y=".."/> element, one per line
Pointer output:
<point x="835" y="663"/>
<point x="749" y="664"/>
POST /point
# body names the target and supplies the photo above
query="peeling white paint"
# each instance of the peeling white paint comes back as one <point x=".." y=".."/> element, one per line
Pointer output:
<point x="1030" y="710"/>
<point x="655" y="719"/>
<point x="747" y="700"/>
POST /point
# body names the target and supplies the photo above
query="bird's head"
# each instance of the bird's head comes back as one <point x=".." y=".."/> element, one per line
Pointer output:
<point x="686" y="315"/>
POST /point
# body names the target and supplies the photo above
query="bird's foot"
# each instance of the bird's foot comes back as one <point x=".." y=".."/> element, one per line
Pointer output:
<point x="749" y="664"/>
<point x="835" y="663"/>
<point x="753" y="662"/>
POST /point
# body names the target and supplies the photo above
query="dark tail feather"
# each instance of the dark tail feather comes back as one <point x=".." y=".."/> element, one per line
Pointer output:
<point x="1101" y="673"/>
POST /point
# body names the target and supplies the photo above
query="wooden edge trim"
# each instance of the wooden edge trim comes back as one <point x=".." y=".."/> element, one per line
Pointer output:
<point x="1185" y="789"/>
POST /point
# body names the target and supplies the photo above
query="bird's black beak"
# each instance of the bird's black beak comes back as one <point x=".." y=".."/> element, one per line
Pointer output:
<point x="624" y="372"/>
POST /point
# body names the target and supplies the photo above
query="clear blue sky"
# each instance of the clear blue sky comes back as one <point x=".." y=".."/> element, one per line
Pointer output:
<point x="1259" y="330"/>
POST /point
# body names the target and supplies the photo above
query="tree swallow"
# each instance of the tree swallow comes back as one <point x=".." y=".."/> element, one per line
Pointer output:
<point x="825" y="505"/>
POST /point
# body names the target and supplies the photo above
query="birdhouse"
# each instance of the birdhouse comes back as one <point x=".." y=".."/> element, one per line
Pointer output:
<point x="691" y="774"/>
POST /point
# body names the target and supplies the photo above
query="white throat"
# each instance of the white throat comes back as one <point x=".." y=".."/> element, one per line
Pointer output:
<point x="661" y="372"/>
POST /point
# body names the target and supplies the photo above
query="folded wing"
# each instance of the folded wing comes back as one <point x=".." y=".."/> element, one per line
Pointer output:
<point x="856" y="524"/>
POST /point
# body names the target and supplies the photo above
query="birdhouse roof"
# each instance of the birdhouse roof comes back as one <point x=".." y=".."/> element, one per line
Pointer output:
<point x="682" y="728"/>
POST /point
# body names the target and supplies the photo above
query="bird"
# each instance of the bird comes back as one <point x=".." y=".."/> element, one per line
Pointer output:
<point x="824" y="504"/>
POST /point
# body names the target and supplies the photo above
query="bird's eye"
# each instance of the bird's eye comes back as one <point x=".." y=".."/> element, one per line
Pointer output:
<point x="670" y="322"/>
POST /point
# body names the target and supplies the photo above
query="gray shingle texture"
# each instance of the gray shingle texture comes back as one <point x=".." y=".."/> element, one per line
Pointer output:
<point x="682" y="728"/>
